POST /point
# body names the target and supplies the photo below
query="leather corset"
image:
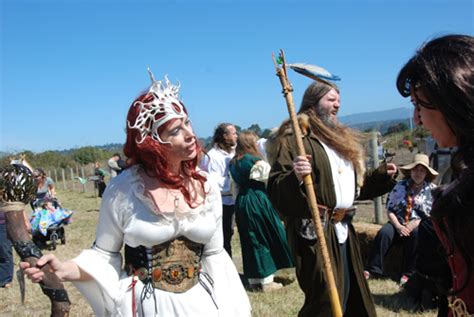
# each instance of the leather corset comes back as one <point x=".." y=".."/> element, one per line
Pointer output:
<point x="172" y="266"/>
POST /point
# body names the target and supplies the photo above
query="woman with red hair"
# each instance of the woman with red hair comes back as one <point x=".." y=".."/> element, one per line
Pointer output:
<point x="168" y="216"/>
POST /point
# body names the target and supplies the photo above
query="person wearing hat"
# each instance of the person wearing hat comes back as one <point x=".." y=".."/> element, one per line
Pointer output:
<point x="408" y="203"/>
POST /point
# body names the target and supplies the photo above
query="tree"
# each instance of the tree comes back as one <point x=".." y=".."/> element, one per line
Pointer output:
<point x="399" y="127"/>
<point x="51" y="159"/>
<point x="266" y="133"/>
<point x="89" y="154"/>
<point x="256" y="129"/>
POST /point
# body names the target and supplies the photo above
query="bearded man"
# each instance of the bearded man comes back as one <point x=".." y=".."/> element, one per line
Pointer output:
<point x="335" y="161"/>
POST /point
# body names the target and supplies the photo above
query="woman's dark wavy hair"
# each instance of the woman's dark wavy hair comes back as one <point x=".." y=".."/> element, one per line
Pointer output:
<point x="152" y="154"/>
<point x="443" y="69"/>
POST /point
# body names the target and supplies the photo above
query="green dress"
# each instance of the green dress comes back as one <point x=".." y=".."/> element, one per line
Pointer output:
<point x="262" y="235"/>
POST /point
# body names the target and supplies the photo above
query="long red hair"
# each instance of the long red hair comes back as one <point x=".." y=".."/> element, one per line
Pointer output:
<point x="152" y="154"/>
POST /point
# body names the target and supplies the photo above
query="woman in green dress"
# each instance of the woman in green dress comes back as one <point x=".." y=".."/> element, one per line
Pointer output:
<point x="262" y="236"/>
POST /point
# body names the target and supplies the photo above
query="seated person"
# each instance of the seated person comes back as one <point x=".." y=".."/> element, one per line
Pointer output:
<point x="408" y="203"/>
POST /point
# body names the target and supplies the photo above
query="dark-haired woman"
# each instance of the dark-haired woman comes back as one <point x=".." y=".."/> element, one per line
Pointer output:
<point x="168" y="216"/>
<point x="46" y="187"/>
<point x="439" y="79"/>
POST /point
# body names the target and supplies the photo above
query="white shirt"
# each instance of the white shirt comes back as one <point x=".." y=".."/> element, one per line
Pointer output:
<point x="113" y="167"/>
<point x="261" y="148"/>
<point x="344" y="185"/>
<point x="216" y="163"/>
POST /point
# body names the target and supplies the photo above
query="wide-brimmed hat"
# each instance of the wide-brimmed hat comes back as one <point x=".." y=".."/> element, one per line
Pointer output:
<point x="419" y="159"/>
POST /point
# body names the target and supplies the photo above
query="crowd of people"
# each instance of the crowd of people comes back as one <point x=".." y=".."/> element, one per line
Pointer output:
<point x="173" y="206"/>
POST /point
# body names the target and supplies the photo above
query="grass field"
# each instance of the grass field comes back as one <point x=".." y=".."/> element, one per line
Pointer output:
<point x="80" y="235"/>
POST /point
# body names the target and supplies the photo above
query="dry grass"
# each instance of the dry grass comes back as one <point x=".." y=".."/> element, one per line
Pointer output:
<point x="80" y="235"/>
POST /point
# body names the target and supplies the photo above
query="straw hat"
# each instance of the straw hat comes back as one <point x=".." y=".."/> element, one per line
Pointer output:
<point x="419" y="159"/>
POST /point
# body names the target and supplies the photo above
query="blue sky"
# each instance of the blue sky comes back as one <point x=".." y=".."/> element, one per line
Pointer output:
<point x="70" y="69"/>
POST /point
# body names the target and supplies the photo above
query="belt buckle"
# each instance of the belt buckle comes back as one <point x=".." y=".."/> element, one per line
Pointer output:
<point x="175" y="274"/>
<point x="338" y="214"/>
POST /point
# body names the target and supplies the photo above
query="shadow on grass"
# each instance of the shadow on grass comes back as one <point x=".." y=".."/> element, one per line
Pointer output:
<point x="399" y="301"/>
<point x="90" y="210"/>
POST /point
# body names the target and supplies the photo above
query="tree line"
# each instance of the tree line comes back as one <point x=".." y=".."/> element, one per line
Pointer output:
<point x="63" y="159"/>
<point x="90" y="154"/>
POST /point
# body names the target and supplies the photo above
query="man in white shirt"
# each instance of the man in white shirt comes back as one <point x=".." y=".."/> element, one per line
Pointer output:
<point x="114" y="168"/>
<point x="216" y="163"/>
<point x="335" y="162"/>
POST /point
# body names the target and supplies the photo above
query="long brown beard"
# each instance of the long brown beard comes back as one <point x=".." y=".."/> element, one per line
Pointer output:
<point x="344" y="140"/>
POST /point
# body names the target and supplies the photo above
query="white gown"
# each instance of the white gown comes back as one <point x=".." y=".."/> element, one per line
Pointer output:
<point x="126" y="216"/>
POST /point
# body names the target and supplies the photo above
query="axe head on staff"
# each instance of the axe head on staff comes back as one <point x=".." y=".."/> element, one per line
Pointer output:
<point x="314" y="72"/>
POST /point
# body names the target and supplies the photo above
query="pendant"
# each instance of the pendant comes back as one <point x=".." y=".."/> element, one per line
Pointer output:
<point x="176" y="202"/>
<point x="339" y="170"/>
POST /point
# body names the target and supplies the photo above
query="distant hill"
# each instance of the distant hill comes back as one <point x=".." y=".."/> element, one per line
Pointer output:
<point x="374" y="116"/>
<point x="381" y="126"/>
<point x="111" y="147"/>
<point x="377" y="120"/>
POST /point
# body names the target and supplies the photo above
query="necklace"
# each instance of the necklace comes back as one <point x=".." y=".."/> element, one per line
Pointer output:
<point x="335" y="160"/>
<point x="176" y="199"/>
<point x="340" y="164"/>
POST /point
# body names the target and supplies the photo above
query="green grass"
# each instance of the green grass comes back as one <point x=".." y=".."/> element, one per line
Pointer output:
<point x="80" y="235"/>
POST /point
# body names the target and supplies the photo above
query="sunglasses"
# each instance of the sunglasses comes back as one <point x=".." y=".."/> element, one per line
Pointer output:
<point x="418" y="102"/>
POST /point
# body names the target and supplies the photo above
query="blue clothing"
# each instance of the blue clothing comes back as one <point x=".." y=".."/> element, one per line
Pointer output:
<point x="407" y="206"/>
<point x="6" y="255"/>
<point x="421" y="203"/>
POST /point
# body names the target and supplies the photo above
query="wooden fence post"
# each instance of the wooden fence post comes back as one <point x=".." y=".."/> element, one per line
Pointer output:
<point x="375" y="160"/>
<point x="83" y="178"/>
<point x="72" y="179"/>
<point x="63" y="176"/>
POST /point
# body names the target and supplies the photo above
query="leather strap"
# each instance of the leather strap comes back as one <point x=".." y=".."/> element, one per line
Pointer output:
<point x="337" y="214"/>
<point x="26" y="249"/>
<point x="55" y="294"/>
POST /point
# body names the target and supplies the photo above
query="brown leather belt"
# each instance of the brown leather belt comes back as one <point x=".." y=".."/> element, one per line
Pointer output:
<point x="336" y="214"/>
<point x="172" y="266"/>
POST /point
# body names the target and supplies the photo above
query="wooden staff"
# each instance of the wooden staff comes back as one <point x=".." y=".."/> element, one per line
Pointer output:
<point x="310" y="191"/>
<point x="17" y="187"/>
<point x="16" y="230"/>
